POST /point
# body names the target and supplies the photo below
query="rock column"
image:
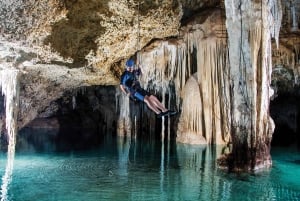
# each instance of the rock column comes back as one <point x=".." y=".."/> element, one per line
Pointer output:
<point x="250" y="26"/>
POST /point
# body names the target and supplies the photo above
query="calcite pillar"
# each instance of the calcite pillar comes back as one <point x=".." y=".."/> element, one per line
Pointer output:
<point x="250" y="26"/>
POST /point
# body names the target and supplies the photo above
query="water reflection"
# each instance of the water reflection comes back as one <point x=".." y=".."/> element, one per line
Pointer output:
<point x="189" y="172"/>
<point x="123" y="145"/>
<point x="129" y="169"/>
<point x="199" y="163"/>
<point x="183" y="172"/>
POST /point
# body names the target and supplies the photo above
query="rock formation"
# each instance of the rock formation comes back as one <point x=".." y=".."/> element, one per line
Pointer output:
<point x="210" y="60"/>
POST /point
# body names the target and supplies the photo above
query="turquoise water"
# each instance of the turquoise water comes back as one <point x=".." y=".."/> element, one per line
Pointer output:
<point x="120" y="169"/>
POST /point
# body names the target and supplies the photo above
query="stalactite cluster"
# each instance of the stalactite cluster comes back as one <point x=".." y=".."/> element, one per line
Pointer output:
<point x="210" y="120"/>
<point x="203" y="98"/>
<point x="227" y="100"/>
<point x="216" y="75"/>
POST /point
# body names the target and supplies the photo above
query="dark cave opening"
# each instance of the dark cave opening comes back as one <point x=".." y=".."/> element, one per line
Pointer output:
<point x="76" y="121"/>
<point x="84" y="118"/>
<point x="284" y="110"/>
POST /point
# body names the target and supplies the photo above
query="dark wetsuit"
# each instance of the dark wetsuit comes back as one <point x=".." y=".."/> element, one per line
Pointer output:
<point x="129" y="80"/>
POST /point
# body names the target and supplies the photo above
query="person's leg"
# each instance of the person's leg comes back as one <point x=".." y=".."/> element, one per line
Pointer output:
<point x="145" y="98"/>
<point x="157" y="103"/>
<point x="150" y="104"/>
<point x="161" y="107"/>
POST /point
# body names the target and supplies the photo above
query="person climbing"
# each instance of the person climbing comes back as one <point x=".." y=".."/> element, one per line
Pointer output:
<point x="130" y="85"/>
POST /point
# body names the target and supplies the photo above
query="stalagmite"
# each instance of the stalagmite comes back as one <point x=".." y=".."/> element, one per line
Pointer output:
<point x="190" y="126"/>
<point x="9" y="80"/>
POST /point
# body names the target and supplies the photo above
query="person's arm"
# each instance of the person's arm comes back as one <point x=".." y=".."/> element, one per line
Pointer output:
<point x="123" y="79"/>
<point x="124" y="90"/>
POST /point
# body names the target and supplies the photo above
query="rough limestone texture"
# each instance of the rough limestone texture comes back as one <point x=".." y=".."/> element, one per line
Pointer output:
<point x="59" y="46"/>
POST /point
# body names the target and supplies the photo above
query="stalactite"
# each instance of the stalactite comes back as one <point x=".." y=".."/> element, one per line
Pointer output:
<point x="204" y="109"/>
<point x="159" y="66"/>
<point x="297" y="53"/>
<point x="73" y="102"/>
<point x="296" y="70"/>
<point x="283" y="56"/>
<point x="124" y="125"/>
<point x="163" y="65"/>
<point x="276" y="16"/>
<point x="182" y="68"/>
<point x="9" y="80"/>
<point x="168" y="62"/>
<point x="294" y="17"/>
<point x="229" y="99"/>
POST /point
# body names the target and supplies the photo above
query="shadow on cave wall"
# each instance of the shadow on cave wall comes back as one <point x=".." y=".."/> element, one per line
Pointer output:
<point x="74" y="37"/>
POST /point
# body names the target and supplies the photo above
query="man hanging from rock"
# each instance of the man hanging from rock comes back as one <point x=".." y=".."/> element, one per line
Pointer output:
<point x="131" y="87"/>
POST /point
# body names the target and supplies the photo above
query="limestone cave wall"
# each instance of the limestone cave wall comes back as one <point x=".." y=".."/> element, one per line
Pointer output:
<point x="211" y="60"/>
<point x="284" y="107"/>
